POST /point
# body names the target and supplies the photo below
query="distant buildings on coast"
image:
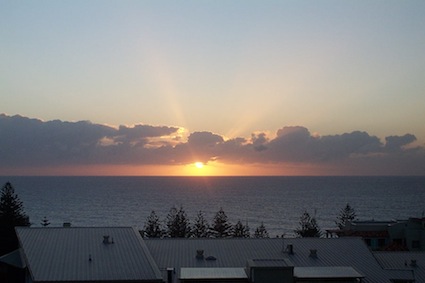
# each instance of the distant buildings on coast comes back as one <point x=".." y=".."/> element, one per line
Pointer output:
<point x="394" y="235"/>
<point x="120" y="254"/>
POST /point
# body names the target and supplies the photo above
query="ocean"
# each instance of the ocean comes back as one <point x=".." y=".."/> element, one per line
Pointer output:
<point x="278" y="202"/>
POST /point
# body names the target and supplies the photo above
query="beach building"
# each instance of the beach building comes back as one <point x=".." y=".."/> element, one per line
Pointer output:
<point x="272" y="260"/>
<point x="412" y="261"/>
<point x="393" y="235"/>
<point x="120" y="254"/>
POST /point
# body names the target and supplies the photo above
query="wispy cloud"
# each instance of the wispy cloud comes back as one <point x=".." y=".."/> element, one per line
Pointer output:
<point x="31" y="142"/>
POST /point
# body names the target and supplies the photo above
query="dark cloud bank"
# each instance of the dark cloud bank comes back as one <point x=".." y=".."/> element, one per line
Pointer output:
<point x="28" y="142"/>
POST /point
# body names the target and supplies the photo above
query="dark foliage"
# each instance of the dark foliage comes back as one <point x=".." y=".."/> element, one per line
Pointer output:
<point x="261" y="232"/>
<point x="11" y="215"/>
<point x="177" y="223"/>
<point x="308" y="226"/>
<point x="346" y="214"/>
<point x="152" y="228"/>
<point x="200" y="228"/>
<point x="240" y="230"/>
<point x="221" y="227"/>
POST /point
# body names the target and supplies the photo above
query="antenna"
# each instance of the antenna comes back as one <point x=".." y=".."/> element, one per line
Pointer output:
<point x="283" y="243"/>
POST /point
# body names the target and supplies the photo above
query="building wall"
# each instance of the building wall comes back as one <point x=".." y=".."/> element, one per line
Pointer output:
<point x="272" y="275"/>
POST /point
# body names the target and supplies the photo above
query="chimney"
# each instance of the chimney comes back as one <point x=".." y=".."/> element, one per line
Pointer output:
<point x="170" y="274"/>
<point x="106" y="240"/>
<point x="290" y="249"/>
<point x="199" y="254"/>
<point x="313" y="253"/>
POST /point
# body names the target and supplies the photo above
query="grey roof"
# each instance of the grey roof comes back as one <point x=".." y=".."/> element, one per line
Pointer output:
<point x="79" y="254"/>
<point x="14" y="258"/>
<point x="213" y="273"/>
<point x="333" y="272"/>
<point x="352" y="252"/>
<point x="402" y="261"/>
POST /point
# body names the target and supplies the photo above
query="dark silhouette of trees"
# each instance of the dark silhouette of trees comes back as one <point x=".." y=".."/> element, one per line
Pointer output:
<point x="177" y="223"/>
<point x="346" y="215"/>
<point x="261" y="232"/>
<point x="152" y="228"/>
<point x="11" y="215"/>
<point x="200" y="227"/>
<point x="240" y="230"/>
<point x="221" y="227"/>
<point x="308" y="226"/>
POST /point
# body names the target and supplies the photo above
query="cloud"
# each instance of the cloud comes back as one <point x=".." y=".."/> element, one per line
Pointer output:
<point x="204" y="139"/>
<point x="31" y="142"/>
<point x="259" y="141"/>
<point x="396" y="143"/>
<point x="140" y="134"/>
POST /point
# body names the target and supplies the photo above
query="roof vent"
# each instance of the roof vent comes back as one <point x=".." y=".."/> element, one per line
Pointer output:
<point x="211" y="258"/>
<point x="313" y="253"/>
<point x="67" y="224"/>
<point x="106" y="240"/>
<point x="290" y="249"/>
<point x="199" y="254"/>
<point x="413" y="262"/>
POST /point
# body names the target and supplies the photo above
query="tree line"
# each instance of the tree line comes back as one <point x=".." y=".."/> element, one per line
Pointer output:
<point x="177" y="225"/>
<point x="308" y="226"/>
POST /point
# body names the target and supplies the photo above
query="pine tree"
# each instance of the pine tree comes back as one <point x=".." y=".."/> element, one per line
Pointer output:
<point x="184" y="225"/>
<point x="200" y="227"/>
<point x="11" y="215"/>
<point x="346" y="215"/>
<point x="261" y="232"/>
<point x="240" y="230"/>
<point x="308" y="226"/>
<point x="177" y="223"/>
<point x="221" y="227"/>
<point x="152" y="228"/>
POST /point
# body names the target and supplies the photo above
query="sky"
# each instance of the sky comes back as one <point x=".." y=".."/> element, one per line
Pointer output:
<point x="245" y="87"/>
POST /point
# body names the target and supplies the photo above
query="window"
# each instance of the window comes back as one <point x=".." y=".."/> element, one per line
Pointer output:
<point x="381" y="242"/>
<point x="416" y="244"/>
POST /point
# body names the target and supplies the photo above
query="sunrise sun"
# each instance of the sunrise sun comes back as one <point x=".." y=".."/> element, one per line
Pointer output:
<point x="199" y="165"/>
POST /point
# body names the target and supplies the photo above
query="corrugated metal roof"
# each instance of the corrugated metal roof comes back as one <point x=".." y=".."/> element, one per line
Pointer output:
<point x="235" y="253"/>
<point x="79" y="254"/>
<point x="333" y="272"/>
<point x="213" y="273"/>
<point x="14" y="259"/>
<point x="402" y="262"/>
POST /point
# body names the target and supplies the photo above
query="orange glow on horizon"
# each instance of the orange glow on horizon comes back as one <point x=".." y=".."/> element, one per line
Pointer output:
<point x="213" y="168"/>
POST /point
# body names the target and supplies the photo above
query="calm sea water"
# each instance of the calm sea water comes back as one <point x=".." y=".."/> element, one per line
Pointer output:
<point x="277" y="201"/>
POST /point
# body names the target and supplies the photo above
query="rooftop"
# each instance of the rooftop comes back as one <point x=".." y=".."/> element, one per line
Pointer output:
<point x="334" y="272"/>
<point x="403" y="261"/>
<point x="85" y="254"/>
<point x="213" y="273"/>
<point x="341" y="252"/>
